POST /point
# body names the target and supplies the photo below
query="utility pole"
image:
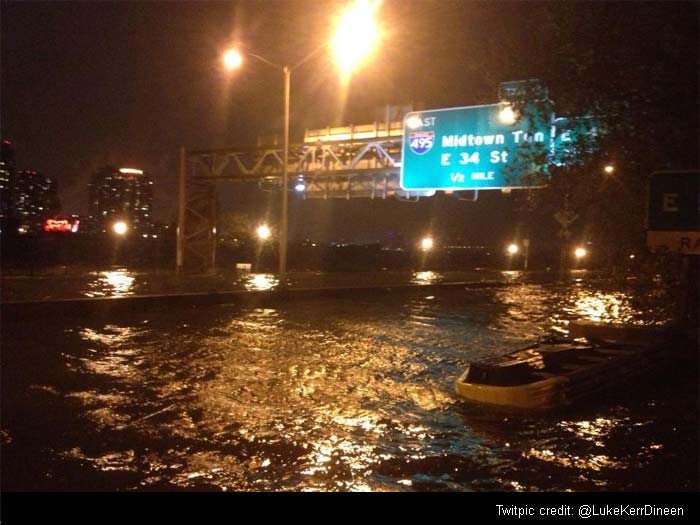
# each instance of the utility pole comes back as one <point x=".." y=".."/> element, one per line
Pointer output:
<point x="180" y="256"/>
<point x="564" y="217"/>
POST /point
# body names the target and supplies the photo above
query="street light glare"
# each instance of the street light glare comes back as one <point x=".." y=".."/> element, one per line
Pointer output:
<point x="232" y="59"/>
<point x="414" y="122"/>
<point x="426" y="244"/>
<point x="609" y="169"/>
<point x="580" y="253"/>
<point x="120" y="227"/>
<point x="263" y="232"/>
<point x="357" y="34"/>
<point x="507" y="115"/>
<point x="513" y="249"/>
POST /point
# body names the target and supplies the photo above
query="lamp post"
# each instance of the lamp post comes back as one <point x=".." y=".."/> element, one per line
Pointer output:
<point x="284" y="226"/>
<point x="356" y="34"/>
<point x="233" y="60"/>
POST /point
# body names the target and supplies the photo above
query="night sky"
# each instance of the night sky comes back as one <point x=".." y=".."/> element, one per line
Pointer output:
<point x="91" y="83"/>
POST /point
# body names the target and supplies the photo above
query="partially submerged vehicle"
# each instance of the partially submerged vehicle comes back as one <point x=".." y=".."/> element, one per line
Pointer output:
<point x="560" y="371"/>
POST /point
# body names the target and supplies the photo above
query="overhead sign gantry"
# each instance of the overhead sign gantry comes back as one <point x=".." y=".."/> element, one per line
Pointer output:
<point x="407" y="155"/>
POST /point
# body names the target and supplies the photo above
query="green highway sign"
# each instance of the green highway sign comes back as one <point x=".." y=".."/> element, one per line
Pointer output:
<point x="476" y="147"/>
<point x="673" y="215"/>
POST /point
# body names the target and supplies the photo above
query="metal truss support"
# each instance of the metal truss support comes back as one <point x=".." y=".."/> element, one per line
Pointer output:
<point x="361" y="168"/>
<point x="197" y="214"/>
<point x="333" y="163"/>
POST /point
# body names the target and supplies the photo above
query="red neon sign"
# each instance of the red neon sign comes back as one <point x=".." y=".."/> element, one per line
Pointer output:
<point x="61" y="225"/>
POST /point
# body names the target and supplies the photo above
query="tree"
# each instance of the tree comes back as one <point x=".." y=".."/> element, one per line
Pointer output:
<point x="633" y="66"/>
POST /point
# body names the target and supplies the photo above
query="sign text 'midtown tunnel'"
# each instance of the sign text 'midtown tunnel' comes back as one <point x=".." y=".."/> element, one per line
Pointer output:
<point x="467" y="148"/>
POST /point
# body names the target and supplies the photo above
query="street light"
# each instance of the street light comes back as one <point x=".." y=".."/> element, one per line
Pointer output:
<point x="507" y="115"/>
<point x="300" y="185"/>
<point x="232" y="59"/>
<point x="580" y="252"/>
<point x="513" y="249"/>
<point x="263" y="232"/>
<point x="356" y="34"/>
<point x="426" y="244"/>
<point x="120" y="228"/>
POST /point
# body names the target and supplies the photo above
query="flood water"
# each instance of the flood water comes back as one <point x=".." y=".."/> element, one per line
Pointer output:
<point x="351" y="394"/>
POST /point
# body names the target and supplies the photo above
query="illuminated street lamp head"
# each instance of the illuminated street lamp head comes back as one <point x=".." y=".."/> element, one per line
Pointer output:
<point x="609" y="169"/>
<point x="300" y="185"/>
<point x="580" y="252"/>
<point x="357" y="34"/>
<point x="426" y="244"/>
<point x="120" y="227"/>
<point x="507" y="115"/>
<point x="232" y="59"/>
<point x="263" y="232"/>
<point x="513" y="249"/>
<point x="414" y="122"/>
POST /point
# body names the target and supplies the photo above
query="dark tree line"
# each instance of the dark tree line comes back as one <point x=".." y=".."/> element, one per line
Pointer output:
<point x="634" y="67"/>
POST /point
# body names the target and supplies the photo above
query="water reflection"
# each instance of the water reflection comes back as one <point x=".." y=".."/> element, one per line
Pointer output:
<point x="260" y="282"/>
<point x="585" y="462"/>
<point x="323" y="394"/>
<point x="604" y="307"/>
<point x="511" y="275"/>
<point x="595" y="430"/>
<point x="113" y="283"/>
<point x="425" y="277"/>
<point x="527" y="311"/>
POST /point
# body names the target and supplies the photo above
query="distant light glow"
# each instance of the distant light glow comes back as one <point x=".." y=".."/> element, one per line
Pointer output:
<point x="261" y="281"/>
<point x="115" y="283"/>
<point x="426" y="244"/>
<point x="120" y="227"/>
<point x="357" y="34"/>
<point x="580" y="252"/>
<point x="513" y="249"/>
<point x="414" y="122"/>
<point x="263" y="232"/>
<point x="300" y="185"/>
<point x="425" y="277"/>
<point x="59" y="225"/>
<point x="507" y="115"/>
<point x="232" y="59"/>
<point x="609" y="169"/>
<point x="133" y="171"/>
<point x="632" y="256"/>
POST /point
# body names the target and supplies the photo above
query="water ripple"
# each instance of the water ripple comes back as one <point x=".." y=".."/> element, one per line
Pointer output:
<point x="332" y="394"/>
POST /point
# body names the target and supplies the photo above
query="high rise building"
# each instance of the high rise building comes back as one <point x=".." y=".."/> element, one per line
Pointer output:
<point x="122" y="194"/>
<point x="35" y="198"/>
<point x="7" y="180"/>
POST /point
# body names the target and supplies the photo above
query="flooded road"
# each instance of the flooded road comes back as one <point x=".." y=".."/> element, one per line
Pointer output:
<point x="333" y="395"/>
